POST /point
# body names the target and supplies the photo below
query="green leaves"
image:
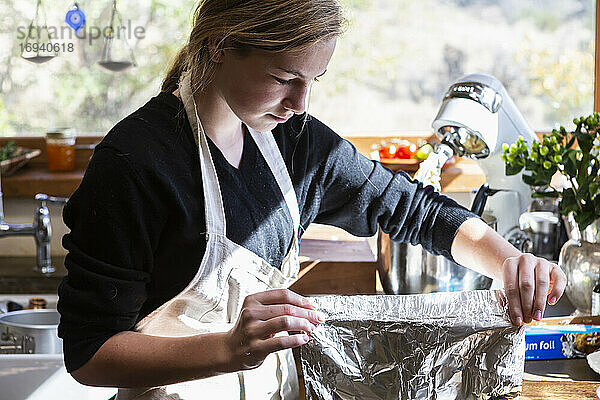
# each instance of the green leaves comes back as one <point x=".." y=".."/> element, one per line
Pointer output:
<point x="568" y="203"/>
<point x="585" y="217"/>
<point x="540" y="195"/>
<point x="584" y="139"/>
<point x="512" y="169"/>
<point x="570" y="163"/>
<point x="595" y="190"/>
<point x="557" y="152"/>
<point x="8" y="150"/>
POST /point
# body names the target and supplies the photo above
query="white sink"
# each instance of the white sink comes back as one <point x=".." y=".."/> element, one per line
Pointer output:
<point x="41" y="376"/>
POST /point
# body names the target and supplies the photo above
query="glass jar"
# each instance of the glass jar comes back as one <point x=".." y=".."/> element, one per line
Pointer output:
<point x="60" y="149"/>
<point x="36" y="303"/>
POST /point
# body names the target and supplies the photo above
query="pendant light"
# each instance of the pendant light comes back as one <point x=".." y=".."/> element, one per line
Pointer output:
<point x="37" y="47"/>
<point x="117" y="55"/>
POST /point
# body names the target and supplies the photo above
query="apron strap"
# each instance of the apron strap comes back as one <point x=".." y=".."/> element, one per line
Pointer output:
<point x="213" y="208"/>
<point x="268" y="147"/>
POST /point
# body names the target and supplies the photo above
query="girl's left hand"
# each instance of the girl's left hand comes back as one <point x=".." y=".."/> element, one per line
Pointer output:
<point x="529" y="282"/>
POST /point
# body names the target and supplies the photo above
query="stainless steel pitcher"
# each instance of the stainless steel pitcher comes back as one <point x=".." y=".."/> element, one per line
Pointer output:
<point x="407" y="269"/>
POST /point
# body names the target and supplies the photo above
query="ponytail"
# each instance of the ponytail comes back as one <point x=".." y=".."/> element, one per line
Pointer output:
<point x="171" y="81"/>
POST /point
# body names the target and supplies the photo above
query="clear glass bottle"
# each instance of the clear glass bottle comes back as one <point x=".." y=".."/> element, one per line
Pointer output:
<point x="60" y="149"/>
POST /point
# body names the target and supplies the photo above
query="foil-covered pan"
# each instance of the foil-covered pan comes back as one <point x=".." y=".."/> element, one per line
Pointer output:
<point x="456" y="345"/>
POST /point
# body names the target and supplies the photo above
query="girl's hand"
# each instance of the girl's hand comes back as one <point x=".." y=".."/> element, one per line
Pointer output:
<point x="529" y="282"/>
<point x="264" y="315"/>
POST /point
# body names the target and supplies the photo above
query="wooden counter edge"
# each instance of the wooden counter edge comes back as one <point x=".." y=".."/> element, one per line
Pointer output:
<point x="543" y="390"/>
<point x="533" y="390"/>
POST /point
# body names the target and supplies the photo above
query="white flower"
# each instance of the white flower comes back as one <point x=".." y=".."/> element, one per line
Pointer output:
<point x="596" y="147"/>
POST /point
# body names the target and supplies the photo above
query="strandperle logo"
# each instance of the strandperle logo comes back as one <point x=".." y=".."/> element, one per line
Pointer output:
<point x="89" y="33"/>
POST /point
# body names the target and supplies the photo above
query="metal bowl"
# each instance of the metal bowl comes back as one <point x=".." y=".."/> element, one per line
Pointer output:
<point x="407" y="269"/>
<point x="31" y="331"/>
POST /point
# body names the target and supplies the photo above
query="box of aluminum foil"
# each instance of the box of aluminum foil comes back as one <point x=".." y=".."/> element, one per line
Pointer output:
<point x="547" y="342"/>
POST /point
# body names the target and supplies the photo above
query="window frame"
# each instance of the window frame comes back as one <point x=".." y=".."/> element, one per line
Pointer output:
<point x="597" y="61"/>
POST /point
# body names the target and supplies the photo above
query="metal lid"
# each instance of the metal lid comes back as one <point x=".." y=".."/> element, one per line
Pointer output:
<point x="538" y="221"/>
<point x="36" y="319"/>
<point x="57" y="133"/>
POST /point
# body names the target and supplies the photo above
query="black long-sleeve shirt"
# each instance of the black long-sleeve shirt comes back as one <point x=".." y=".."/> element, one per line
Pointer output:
<point x="137" y="219"/>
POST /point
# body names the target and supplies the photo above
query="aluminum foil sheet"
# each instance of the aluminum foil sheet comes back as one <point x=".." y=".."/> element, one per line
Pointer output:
<point x="458" y="345"/>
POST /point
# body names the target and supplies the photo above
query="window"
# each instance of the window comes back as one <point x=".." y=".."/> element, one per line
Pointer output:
<point x="72" y="89"/>
<point x="388" y="74"/>
<point x="398" y="58"/>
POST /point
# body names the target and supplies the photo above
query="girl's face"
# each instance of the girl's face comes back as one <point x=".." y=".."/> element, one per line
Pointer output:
<point x="263" y="89"/>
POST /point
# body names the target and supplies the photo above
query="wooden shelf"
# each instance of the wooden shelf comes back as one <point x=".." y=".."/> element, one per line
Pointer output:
<point x="463" y="176"/>
<point x="35" y="178"/>
<point x="29" y="181"/>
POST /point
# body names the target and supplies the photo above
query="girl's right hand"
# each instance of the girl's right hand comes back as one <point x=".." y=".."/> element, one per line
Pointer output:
<point x="263" y="316"/>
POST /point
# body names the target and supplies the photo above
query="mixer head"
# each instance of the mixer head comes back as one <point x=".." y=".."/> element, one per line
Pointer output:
<point x="464" y="141"/>
<point x="476" y="117"/>
<point x="467" y="118"/>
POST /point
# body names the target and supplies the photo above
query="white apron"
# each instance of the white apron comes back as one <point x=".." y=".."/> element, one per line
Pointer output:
<point x="227" y="274"/>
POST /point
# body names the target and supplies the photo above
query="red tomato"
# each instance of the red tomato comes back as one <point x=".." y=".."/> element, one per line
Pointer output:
<point x="403" y="152"/>
<point x="388" y="151"/>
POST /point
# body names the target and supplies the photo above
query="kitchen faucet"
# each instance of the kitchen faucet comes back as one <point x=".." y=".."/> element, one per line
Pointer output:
<point x="40" y="229"/>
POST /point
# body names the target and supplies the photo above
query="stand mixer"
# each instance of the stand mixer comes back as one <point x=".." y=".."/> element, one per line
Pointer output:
<point x="476" y="118"/>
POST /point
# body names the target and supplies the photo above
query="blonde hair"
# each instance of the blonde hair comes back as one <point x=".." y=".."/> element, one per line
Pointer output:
<point x="272" y="25"/>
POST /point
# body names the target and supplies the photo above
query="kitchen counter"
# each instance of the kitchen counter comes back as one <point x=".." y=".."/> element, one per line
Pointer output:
<point x="17" y="276"/>
<point x="340" y="267"/>
<point x="334" y="267"/>
<point x="333" y="261"/>
<point x="559" y="390"/>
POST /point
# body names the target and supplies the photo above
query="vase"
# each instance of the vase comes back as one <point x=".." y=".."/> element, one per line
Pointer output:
<point x="580" y="260"/>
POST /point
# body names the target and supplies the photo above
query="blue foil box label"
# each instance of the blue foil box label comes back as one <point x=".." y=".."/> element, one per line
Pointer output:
<point x="545" y="342"/>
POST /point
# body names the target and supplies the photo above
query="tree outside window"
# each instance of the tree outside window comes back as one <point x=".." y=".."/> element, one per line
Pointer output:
<point x="388" y="74"/>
